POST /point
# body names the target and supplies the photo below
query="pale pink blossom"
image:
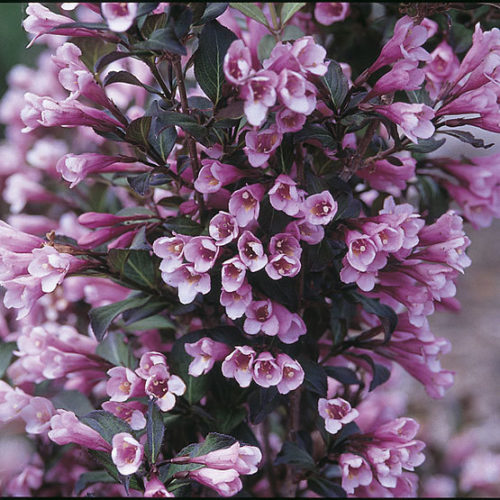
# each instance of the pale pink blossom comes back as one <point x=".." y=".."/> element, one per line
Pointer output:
<point x="293" y="374"/>
<point x="123" y="384"/>
<point x="238" y="365"/>
<point x="310" y="55"/>
<point x="296" y="93"/>
<point x="320" y="208"/>
<point x="224" y="482"/>
<point x="147" y="361"/>
<point x="236" y="302"/>
<point x="327" y="13"/>
<point x="259" y="93"/>
<point x="244" y="203"/>
<point x="260" y="317"/>
<point x="266" y="371"/>
<point x="202" y="252"/>
<point x="261" y="144"/>
<point x="188" y="282"/>
<point x="131" y="411"/>
<point x="127" y="453"/>
<point x="205" y="352"/>
<point x="237" y="63"/>
<point x="119" y="15"/>
<point x="171" y="251"/>
<point x="284" y="195"/>
<point x="223" y="228"/>
<point x="154" y="488"/>
<point x="251" y="252"/>
<point x="337" y="412"/>
<point x="355" y="471"/>
<point x="163" y="387"/>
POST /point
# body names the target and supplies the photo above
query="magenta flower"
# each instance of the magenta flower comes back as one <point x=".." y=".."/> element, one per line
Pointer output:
<point x="281" y="265"/>
<point x="260" y="317"/>
<point x="289" y="121"/>
<point x="119" y="15"/>
<point x="296" y="93"/>
<point x="17" y="241"/>
<point x="171" y="251"/>
<point x="355" y="472"/>
<point x="260" y="145"/>
<point x="205" y="352"/>
<point x="320" y="208"/>
<point x="223" y="228"/>
<point x="154" y="488"/>
<point x="244" y="204"/>
<point x="327" y="13"/>
<point x="202" y="252"/>
<point x="260" y="94"/>
<point x="214" y="175"/>
<point x="284" y="195"/>
<point x="285" y="243"/>
<point x="163" y="387"/>
<point x="441" y="68"/>
<point x="123" y="384"/>
<point x="238" y="365"/>
<point x="336" y="412"/>
<point x="414" y="119"/>
<point x="147" y="361"/>
<point x="266" y="371"/>
<point x="251" y="252"/>
<point x="236" y="302"/>
<point x="224" y="482"/>
<point x="233" y="274"/>
<point x="305" y="231"/>
<point x="310" y="56"/>
<point x="127" y="453"/>
<point x="237" y="63"/>
<point x="65" y="428"/>
<point x="293" y="374"/>
<point x="291" y="325"/>
<point x="188" y="282"/>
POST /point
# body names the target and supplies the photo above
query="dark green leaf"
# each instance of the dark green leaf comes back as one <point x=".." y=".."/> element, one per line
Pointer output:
<point x="291" y="32"/>
<point x="6" y="350"/>
<point x="182" y="22"/>
<point x="137" y="266"/>
<point x="183" y="225"/>
<point x="126" y="77"/>
<point x="343" y="374"/>
<point x="163" y="39"/>
<point x="426" y="145"/>
<point x="155" y="431"/>
<point x="140" y="182"/>
<point x="317" y="133"/>
<point x="419" y="96"/>
<point x="315" y="376"/>
<point x="293" y="454"/>
<point x="111" y="57"/>
<point x="265" y="47"/>
<point x="185" y="122"/>
<point x="215" y="39"/>
<point x="227" y="418"/>
<point x="153" y="306"/>
<point x="106" y="424"/>
<point x="263" y="401"/>
<point x="155" y="322"/>
<point x="144" y="8"/>
<point x="102" y="317"/>
<point x="88" y="478"/>
<point x="114" y="349"/>
<point x="251" y="10"/>
<point x="212" y="11"/>
<point x="93" y="49"/>
<point x="104" y="458"/>
<point x="336" y="84"/>
<point x="381" y="375"/>
<point x="468" y="138"/>
<point x="74" y="401"/>
<point x="283" y="290"/>
<point x="433" y="197"/>
<point x="138" y="130"/>
<point x="288" y="9"/>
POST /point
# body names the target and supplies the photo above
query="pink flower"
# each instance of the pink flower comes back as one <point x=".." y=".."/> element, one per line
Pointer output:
<point x="266" y="372"/>
<point x="233" y="274"/>
<point x="244" y="204"/>
<point x="123" y="384"/>
<point x="225" y="482"/>
<point x="305" y="231"/>
<point x="310" y="56"/>
<point x="51" y="267"/>
<point x="327" y="13"/>
<point x="131" y="411"/>
<point x="243" y="459"/>
<point x="260" y="317"/>
<point x="293" y="374"/>
<point x="236" y="302"/>
<point x="355" y="471"/>
<point x="320" y="208"/>
<point x="154" y="488"/>
<point x="238" y="365"/>
<point x="237" y="63"/>
<point x="17" y="241"/>
<point x="214" y="175"/>
<point x="259" y="94"/>
<point x="202" y="252"/>
<point x="414" y="119"/>
<point x="251" y="251"/>
<point x="281" y="265"/>
<point x="441" y="68"/>
<point x="336" y="412"/>
<point x="163" y="387"/>
<point x="205" y="352"/>
<point x="261" y="144"/>
<point x="188" y="282"/>
<point x="291" y="325"/>
<point x="147" y="361"/>
<point x="171" y="251"/>
<point x="65" y="428"/>
<point x="296" y="93"/>
<point x="285" y="243"/>
<point x="119" y="15"/>
<point x="37" y="414"/>
<point x="127" y="453"/>
<point x="284" y="195"/>
<point x="289" y="121"/>
<point x="223" y="228"/>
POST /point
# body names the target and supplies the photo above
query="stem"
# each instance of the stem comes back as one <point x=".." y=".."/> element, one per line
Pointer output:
<point x="195" y="165"/>
<point x="159" y="79"/>
<point x="274" y="17"/>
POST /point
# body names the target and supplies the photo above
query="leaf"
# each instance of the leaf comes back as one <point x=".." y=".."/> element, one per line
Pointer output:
<point x="347" y="431"/>
<point x="381" y="374"/>
<point x="265" y="47"/>
<point x="162" y="138"/>
<point x="283" y="290"/>
<point x="212" y="11"/>
<point x="183" y="225"/>
<point x="318" y="133"/>
<point x="126" y="77"/>
<point x="336" y="83"/>
<point x="137" y="266"/>
<point x="155" y="431"/>
<point x="138" y="130"/>
<point x="155" y="322"/>
<point x="6" y="351"/>
<point x="227" y="418"/>
<point x="105" y="460"/>
<point x="291" y="32"/>
<point x="261" y="402"/>
<point x="433" y="197"/>
<point x="468" y="138"/>
<point x="139" y="183"/>
<point x="214" y="42"/>
<point x="106" y="424"/>
<point x="92" y="49"/>
<point x="111" y="57"/>
<point x="162" y="40"/>
<point x="293" y="454"/>
<point x="116" y="351"/>
<point x="251" y="10"/>
<point x="144" y="8"/>
<point x="426" y="145"/>
<point x="419" y="96"/>
<point x="343" y="374"/>
<point x="288" y="9"/>
<point x="315" y="376"/>
<point x="91" y="477"/>
<point x="153" y="306"/>
<point x="185" y="122"/>
<point x="74" y="401"/>
<point x="102" y="317"/>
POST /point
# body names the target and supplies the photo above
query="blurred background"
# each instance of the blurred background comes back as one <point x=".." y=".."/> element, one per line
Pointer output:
<point x="472" y="405"/>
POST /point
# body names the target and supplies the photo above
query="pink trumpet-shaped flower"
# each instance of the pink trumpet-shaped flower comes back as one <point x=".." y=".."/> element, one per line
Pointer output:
<point x="284" y="195"/>
<point x="233" y="274"/>
<point x="237" y="63"/>
<point x="320" y="208"/>
<point x="188" y="282"/>
<point x="202" y="252"/>
<point x="214" y="175"/>
<point x="154" y="488"/>
<point x="171" y="251"/>
<point x="293" y="374"/>
<point x="336" y="412"/>
<point x="251" y="251"/>
<point x="260" y="317"/>
<point x="224" y="482"/>
<point x="119" y="15"/>
<point x="266" y="371"/>
<point x="244" y="204"/>
<point x="205" y="352"/>
<point x="236" y="302"/>
<point x="261" y="144"/>
<point x="163" y="387"/>
<point x="355" y="472"/>
<point x="238" y="365"/>
<point x="259" y="92"/>
<point x="123" y="384"/>
<point x="223" y="228"/>
<point x="127" y="453"/>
